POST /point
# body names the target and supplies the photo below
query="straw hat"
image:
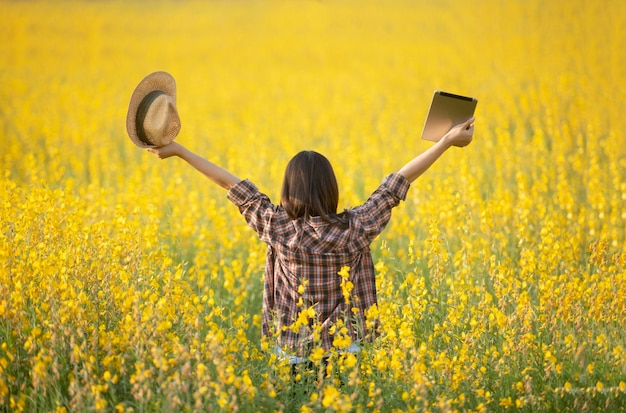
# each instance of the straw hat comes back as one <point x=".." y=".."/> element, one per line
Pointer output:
<point x="152" y="118"/>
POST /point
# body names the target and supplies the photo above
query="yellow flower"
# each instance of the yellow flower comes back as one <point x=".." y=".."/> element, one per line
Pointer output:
<point x="506" y="402"/>
<point x="330" y="396"/>
<point x="346" y="284"/>
<point x="316" y="354"/>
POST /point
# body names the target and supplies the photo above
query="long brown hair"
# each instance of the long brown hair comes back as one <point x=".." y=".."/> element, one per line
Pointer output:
<point x="309" y="187"/>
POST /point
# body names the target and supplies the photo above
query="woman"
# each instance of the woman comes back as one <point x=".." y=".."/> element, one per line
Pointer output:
<point x="319" y="275"/>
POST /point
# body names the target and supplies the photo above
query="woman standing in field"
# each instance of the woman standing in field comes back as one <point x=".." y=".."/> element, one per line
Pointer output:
<point x="319" y="275"/>
<point x="309" y="243"/>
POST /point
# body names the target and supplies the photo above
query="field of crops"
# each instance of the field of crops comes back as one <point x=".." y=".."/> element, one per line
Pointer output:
<point x="132" y="284"/>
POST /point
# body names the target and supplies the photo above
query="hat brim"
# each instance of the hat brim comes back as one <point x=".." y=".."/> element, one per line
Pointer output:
<point x="162" y="81"/>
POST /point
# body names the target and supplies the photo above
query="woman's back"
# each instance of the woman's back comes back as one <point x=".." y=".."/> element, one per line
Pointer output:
<point x="305" y="257"/>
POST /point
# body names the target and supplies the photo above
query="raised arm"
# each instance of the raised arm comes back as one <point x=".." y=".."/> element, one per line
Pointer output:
<point x="460" y="135"/>
<point x="215" y="173"/>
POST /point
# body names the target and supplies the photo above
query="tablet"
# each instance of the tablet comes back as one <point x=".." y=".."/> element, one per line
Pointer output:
<point x="446" y="110"/>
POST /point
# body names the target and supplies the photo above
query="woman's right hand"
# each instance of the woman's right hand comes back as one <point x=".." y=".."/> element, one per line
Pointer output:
<point x="461" y="134"/>
<point x="169" y="150"/>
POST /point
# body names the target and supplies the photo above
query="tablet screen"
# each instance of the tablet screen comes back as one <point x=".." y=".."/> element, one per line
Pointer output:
<point x="446" y="110"/>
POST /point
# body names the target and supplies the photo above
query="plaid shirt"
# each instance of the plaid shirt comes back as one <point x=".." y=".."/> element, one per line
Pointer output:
<point x="304" y="257"/>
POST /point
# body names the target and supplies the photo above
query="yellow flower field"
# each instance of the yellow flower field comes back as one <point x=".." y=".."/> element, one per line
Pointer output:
<point x="131" y="284"/>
